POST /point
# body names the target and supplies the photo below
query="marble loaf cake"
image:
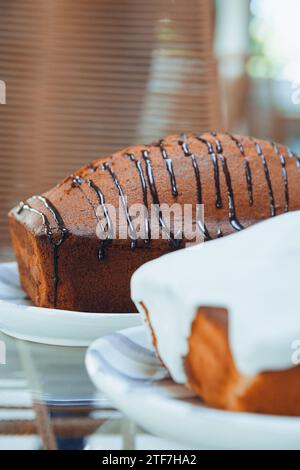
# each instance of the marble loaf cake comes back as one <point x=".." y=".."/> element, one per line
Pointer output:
<point x="62" y="262"/>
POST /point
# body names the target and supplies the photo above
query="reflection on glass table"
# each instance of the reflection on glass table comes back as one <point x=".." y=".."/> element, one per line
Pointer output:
<point x="47" y="401"/>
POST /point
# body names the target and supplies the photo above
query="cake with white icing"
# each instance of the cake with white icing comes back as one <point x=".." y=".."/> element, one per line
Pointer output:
<point x="225" y="316"/>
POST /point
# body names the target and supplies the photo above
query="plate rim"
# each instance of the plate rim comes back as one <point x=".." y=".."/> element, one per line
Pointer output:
<point x="55" y="311"/>
<point x="213" y="416"/>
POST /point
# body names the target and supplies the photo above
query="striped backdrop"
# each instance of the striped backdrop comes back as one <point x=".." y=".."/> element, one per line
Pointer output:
<point x="85" y="78"/>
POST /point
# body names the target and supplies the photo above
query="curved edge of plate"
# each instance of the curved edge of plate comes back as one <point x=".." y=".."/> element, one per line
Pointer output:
<point x="200" y="425"/>
<point x="63" y="328"/>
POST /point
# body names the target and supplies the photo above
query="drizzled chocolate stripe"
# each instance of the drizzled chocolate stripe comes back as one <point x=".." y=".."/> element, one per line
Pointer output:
<point x="77" y="182"/>
<point x="184" y="145"/>
<point x="247" y="168"/>
<point x="57" y="217"/>
<point x="267" y="176"/>
<point x="238" y="143"/>
<point x="170" y="169"/>
<point x="217" y="142"/>
<point x="187" y="153"/>
<point x="214" y="159"/>
<point x="285" y="176"/>
<point x="232" y="215"/>
<point x="109" y="230"/>
<point x="55" y="244"/>
<point x="25" y="206"/>
<point x="174" y="242"/>
<point x="249" y="181"/>
<point x="91" y="167"/>
<point x="232" y="212"/>
<point x="293" y="155"/>
<point x="132" y="231"/>
<point x="140" y="171"/>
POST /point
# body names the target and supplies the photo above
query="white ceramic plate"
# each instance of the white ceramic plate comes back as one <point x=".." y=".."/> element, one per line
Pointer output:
<point x="125" y="368"/>
<point x="21" y="319"/>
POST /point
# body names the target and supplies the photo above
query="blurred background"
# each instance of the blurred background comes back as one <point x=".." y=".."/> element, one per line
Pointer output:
<point x="85" y="78"/>
<point x="80" y="79"/>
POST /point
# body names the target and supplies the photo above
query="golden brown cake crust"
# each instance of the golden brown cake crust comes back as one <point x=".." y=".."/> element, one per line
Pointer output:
<point x="238" y="182"/>
<point x="213" y="376"/>
<point x="212" y="373"/>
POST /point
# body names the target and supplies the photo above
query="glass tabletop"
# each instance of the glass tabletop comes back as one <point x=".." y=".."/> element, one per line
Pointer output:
<point x="47" y="400"/>
<point x="54" y="375"/>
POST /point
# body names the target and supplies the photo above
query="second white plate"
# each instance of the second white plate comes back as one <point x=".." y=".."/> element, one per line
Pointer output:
<point x="125" y="368"/>
<point x="21" y="319"/>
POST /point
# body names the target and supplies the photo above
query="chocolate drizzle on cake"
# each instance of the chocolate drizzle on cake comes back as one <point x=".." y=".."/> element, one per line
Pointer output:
<point x="214" y="159"/>
<point x="232" y="212"/>
<point x="108" y="228"/>
<point x="140" y="171"/>
<point x="55" y="243"/>
<point x="92" y="167"/>
<point x="293" y="155"/>
<point x="187" y="153"/>
<point x="268" y="178"/>
<point x="238" y="143"/>
<point x="248" y="174"/>
<point x="175" y="243"/>
<point x="247" y="168"/>
<point x="131" y="229"/>
<point x="170" y="169"/>
<point x="58" y="218"/>
<point x="151" y="179"/>
<point x="285" y="176"/>
<point x="232" y="215"/>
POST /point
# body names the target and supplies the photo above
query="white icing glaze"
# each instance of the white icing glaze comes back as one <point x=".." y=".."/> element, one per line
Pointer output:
<point x="253" y="273"/>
